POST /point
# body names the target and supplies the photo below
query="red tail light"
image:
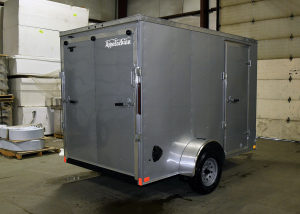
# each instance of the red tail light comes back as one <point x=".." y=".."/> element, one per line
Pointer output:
<point x="139" y="99"/>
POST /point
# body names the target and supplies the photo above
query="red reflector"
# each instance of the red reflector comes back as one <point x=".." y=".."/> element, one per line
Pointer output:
<point x="139" y="99"/>
<point x="65" y="160"/>
<point x="140" y="181"/>
<point x="146" y="179"/>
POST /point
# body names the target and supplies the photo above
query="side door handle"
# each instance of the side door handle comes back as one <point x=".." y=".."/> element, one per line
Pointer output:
<point x="68" y="100"/>
<point x="232" y="100"/>
<point x="128" y="103"/>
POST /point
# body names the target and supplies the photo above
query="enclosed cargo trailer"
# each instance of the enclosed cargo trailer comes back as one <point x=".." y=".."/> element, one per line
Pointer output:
<point x="151" y="98"/>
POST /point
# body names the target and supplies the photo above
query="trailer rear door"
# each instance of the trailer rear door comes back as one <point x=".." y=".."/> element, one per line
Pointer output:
<point x="114" y="102"/>
<point x="236" y="97"/>
<point x="99" y="99"/>
<point x="79" y="101"/>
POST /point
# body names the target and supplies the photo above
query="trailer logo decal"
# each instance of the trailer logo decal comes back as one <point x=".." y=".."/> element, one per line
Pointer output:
<point x="117" y="42"/>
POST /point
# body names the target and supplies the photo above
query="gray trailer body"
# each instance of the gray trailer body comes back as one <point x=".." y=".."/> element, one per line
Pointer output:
<point x="165" y="84"/>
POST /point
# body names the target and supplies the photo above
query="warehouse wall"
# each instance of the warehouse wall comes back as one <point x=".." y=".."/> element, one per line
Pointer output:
<point x="278" y="36"/>
<point x="1" y="27"/>
<point x="103" y="10"/>
<point x="161" y="8"/>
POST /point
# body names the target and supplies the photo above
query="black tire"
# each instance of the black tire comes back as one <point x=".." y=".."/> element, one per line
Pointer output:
<point x="211" y="165"/>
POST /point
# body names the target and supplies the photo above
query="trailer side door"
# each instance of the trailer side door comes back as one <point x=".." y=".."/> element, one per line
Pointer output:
<point x="236" y="97"/>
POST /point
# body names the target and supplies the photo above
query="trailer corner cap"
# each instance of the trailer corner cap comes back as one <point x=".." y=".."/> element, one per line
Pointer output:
<point x="190" y="155"/>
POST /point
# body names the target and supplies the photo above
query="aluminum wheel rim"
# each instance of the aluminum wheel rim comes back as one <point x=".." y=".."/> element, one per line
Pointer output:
<point x="209" y="172"/>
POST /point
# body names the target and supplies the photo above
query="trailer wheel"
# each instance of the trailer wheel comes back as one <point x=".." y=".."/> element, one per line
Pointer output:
<point x="207" y="173"/>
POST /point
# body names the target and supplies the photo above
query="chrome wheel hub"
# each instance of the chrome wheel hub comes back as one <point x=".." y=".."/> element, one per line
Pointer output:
<point x="209" y="172"/>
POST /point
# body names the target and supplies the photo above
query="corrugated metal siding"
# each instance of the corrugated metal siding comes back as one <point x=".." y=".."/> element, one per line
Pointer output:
<point x="273" y="27"/>
<point x="262" y="10"/>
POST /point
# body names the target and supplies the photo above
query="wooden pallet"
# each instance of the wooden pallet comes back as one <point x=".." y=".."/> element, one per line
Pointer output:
<point x="19" y="155"/>
<point x="59" y="136"/>
<point x="7" y="98"/>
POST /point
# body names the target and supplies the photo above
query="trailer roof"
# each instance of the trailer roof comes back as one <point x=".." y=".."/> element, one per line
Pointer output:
<point x="140" y="17"/>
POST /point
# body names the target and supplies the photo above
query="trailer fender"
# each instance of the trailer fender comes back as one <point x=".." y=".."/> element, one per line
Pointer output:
<point x="193" y="150"/>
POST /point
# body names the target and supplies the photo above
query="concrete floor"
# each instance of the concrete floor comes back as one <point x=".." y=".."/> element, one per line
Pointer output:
<point x="263" y="181"/>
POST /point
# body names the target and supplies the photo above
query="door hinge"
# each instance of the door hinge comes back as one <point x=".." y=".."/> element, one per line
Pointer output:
<point x="248" y="63"/>
<point x="62" y="125"/>
<point x="224" y="75"/>
<point x="137" y="137"/>
<point x="223" y="125"/>
<point x="138" y="71"/>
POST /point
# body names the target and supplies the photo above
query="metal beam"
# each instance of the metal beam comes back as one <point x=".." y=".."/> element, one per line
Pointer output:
<point x="204" y="5"/>
<point x="218" y="15"/>
<point x="181" y="15"/>
<point x="122" y="9"/>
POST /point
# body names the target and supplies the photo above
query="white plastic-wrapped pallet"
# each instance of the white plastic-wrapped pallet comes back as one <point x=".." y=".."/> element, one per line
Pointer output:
<point x="3" y="75"/>
<point x="30" y="115"/>
<point x="31" y="27"/>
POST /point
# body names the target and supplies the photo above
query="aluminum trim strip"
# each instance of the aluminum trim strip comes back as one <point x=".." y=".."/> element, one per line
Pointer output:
<point x="99" y="165"/>
<point x="99" y="36"/>
<point x="140" y="17"/>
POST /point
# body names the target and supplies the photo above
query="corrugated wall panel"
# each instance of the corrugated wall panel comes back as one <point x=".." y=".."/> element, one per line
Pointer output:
<point x="279" y="129"/>
<point x="150" y="8"/>
<point x="279" y="48"/>
<point x="262" y="10"/>
<point x="278" y="109"/>
<point x="189" y="20"/>
<point x="226" y="3"/>
<point x="278" y="89"/>
<point x="170" y="7"/>
<point x="191" y="5"/>
<point x="278" y="69"/>
<point x="133" y="7"/>
<point x="266" y="29"/>
<point x="272" y="28"/>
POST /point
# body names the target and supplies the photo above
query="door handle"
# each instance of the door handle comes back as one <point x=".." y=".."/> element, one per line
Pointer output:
<point x="232" y="100"/>
<point x="68" y="100"/>
<point x="128" y="103"/>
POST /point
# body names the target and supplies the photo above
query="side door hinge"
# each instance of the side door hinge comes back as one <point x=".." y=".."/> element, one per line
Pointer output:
<point x="137" y="137"/>
<point x="248" y="63"/>
<point x="223" y="125"/>
<point x="62" y="125"/>
<point x="224" y="75"/>
<point x="138" y="71"/>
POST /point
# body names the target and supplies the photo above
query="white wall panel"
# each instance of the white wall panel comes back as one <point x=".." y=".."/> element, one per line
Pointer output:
<point x="191" y="5"/>
<point x="170" y="7"/>
<point x="261" y="10"/>
<point x="278" y="89"/>
<point x="278" y="69"/>
<point x="99" y="9"/>
<point x="279" y="129"/>
<point x="278" y="109"/>
<point x="266" y="29"/>
<point x="279" y="48"/>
